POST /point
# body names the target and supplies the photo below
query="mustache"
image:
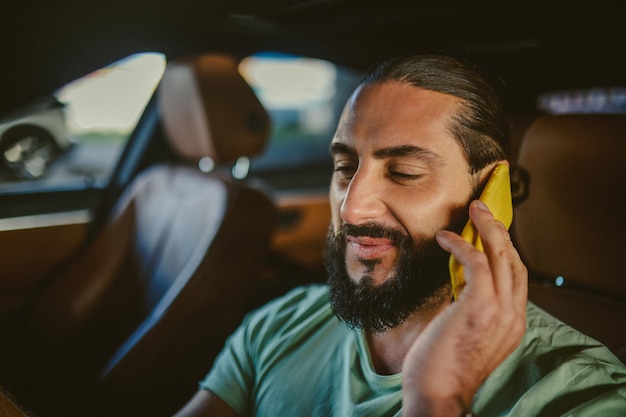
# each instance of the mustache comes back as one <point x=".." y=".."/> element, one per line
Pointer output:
<point x="373" y="230"/>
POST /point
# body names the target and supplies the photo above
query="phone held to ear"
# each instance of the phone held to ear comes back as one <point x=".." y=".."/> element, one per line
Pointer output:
<point x="497" y="196"/>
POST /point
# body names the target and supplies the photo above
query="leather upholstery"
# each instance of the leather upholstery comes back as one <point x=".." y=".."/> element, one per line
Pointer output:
<point x="209" y="110"/>
<point x="136" y="321"/>
<point x="571" y="226"/>
<point x="9" y="407"/>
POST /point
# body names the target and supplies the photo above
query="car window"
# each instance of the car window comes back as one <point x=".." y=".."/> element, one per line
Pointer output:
<point x="592" y="100"/>
<point x="74" y="137"/>
<point x="304" y="97"/>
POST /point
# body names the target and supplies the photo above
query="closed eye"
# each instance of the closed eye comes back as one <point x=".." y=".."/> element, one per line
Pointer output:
<point x="404" y="173"/>
<point x="344" y="169"/>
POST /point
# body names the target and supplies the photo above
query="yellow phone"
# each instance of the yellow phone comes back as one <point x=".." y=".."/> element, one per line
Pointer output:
<point x="497" y="196"/>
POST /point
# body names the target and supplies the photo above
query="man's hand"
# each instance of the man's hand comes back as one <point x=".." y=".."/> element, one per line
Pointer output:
<point x="460" y="348"/>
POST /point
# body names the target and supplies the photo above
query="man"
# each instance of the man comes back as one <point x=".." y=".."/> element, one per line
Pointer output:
<point x="414" y="147"/>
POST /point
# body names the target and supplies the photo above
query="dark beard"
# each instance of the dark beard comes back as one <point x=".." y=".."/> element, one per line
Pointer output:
<point x="421" y="280"/>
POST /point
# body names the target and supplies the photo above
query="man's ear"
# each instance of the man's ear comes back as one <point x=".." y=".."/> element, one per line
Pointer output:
<point x="520" y="184"/>
<point x="520" y="181"/>
<point x="483" y="175"/>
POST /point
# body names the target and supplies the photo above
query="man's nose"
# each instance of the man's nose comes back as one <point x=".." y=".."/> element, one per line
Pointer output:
<point x="363" y="201"/>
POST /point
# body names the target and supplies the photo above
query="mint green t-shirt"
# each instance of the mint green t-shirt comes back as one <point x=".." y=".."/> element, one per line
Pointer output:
<point x="294" y="358"/>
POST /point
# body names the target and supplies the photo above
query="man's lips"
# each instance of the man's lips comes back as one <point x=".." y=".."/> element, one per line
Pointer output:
<point x="368" y="247"/>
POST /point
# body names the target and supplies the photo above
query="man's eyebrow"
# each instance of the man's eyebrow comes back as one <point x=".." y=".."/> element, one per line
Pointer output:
<point x="407" y="150"/>
<point x="390" y="152"/>
<point x="338" y="147"/>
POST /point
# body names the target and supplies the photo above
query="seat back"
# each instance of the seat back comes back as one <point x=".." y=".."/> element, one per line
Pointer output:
<point x="570" y="229"/>
<point x="140" y="316"/>
<point x="9" y="407"/>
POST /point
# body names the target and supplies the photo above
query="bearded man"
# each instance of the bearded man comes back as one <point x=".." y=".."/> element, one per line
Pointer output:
<point x="414" y="147"/>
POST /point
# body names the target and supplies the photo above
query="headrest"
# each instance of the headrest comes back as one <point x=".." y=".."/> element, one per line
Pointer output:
<point x="208" y="109"/>
<point x="573" y="222"/>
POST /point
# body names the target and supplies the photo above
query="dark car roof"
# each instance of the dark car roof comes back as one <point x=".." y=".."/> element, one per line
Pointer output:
<point x="533" y="45"/>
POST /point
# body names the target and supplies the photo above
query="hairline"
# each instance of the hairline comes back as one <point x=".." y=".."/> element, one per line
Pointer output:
<point x="460" y="124"/>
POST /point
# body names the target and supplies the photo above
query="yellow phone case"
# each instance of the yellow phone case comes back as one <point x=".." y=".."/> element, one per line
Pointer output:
<point x="497" y="196"/>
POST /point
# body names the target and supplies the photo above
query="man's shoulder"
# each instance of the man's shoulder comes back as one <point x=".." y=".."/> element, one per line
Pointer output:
<point x="543" y="328"/>
<point x="302" y="307"/>
<point x="306" y="297"/>
<point x="546" y="333"/>
<point x="555" y="368"/>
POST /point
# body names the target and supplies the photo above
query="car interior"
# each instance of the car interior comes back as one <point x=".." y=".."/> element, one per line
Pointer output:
<point x="117" y="294"/>
<point x="567" y="230"/>
<point x="131" y="303"/>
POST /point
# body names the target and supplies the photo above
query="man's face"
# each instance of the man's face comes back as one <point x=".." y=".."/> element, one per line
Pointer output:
<point x="399" y="177"/>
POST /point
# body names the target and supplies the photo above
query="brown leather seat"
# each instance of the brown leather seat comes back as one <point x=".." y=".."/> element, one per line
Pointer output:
<point x="135" y="323"/>
<point x="570" y="230"/>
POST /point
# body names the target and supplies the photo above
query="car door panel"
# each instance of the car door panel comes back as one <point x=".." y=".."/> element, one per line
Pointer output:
<point x="32" y="247"/>
<point x="302" y="228"/>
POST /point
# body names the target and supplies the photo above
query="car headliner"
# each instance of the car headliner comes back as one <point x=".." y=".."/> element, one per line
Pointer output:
<point x="533" y="45"/>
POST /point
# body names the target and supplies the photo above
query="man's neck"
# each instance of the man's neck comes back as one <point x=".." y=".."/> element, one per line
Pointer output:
<point x="389" y="348"/>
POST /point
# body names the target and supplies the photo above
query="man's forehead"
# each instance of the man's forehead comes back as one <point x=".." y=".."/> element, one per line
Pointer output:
<point x="399" y="106"/>
<point x="370" y="93"/>
<point x="393" y="99"/>
<point x="398" y="113"/>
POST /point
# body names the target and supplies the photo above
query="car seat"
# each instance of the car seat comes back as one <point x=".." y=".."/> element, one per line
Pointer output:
<point x="570" y="230"/>
<point x="131" y="326"/>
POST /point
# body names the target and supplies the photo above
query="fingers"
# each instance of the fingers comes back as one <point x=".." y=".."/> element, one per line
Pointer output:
<point x="500" y="262"/>
<point x="508" y="271"/>
<point x="497" y="245"/>
<point x="474" y="262"/>
<point x="489" y="316"/>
